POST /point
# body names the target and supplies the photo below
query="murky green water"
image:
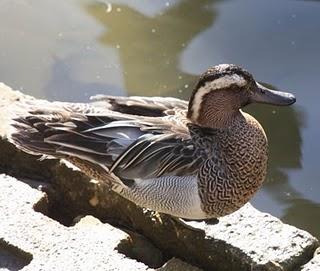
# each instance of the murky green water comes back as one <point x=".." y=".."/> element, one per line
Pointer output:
<point x="70" y="50"/>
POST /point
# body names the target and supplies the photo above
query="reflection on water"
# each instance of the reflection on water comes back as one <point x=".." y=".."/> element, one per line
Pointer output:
<point x="69" y="85"/>
<point x="303" y="213"/>
<point x="150" y="47"/>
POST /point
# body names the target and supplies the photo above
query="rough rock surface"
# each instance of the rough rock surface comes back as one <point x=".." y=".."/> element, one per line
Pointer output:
<point x="244" y="240"/>
<point x="314" y="264"/>
<point x="88" y="245"/>
<point x="31" y="239"/>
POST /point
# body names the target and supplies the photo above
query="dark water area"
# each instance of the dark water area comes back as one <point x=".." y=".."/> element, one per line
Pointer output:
<point x="70" y="50"/>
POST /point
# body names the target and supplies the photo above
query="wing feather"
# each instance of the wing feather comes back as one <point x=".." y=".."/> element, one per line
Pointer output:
<point x="143" y="146"/>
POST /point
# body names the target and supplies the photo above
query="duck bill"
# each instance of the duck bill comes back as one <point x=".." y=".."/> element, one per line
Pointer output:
<point x="269" y="96"/>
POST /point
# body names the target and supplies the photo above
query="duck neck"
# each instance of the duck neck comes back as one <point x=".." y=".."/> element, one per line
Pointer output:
<point x="219" y="118"/>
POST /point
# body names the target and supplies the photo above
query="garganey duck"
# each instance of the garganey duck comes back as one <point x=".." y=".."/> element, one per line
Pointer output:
<point x="198" y="160"/>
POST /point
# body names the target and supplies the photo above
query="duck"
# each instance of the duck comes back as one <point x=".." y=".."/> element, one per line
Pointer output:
<point x="198" y="159"/>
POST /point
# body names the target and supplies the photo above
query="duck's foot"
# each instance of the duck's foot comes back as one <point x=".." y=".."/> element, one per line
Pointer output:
<point x="212" y="221"/>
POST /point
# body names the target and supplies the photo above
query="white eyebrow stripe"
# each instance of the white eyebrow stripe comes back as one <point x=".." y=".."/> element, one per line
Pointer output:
<point x="219" y="83"/>
<point x="227" y="80"/>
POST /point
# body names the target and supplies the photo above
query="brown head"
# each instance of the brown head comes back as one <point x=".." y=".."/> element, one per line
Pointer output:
<point x="223" y="90"/>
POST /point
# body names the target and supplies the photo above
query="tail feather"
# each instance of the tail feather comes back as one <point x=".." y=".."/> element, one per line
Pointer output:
<point x="28" y="135"/>
<point x="47" y="136"/>
<point x="62" y="134"/>
<point x="44" y="135"/>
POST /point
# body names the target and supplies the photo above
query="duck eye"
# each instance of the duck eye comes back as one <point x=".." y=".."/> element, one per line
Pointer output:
<point x="262" y="91"/>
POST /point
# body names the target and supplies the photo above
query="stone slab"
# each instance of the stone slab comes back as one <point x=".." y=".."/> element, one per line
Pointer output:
<point x="89" y="245"/>
<point x="263" y="240"/>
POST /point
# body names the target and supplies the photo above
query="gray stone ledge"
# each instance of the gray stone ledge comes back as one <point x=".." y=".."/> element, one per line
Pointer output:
<point x="89" y="245"/>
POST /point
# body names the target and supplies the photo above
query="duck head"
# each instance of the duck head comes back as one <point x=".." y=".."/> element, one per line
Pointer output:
<point x="223" y="90"/>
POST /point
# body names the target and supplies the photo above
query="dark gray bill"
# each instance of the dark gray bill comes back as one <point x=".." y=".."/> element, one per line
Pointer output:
<point x="269" y="96"/>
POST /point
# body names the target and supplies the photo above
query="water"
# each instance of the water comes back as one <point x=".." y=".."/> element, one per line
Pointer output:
<point x="70" y="50"/>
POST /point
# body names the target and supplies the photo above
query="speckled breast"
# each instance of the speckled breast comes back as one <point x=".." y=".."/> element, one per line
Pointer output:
<point x="230" y="178"/>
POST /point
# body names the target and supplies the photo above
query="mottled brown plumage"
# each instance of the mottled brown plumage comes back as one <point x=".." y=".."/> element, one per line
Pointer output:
<point x="199" y="160"/>
<point x="229" y="180"/>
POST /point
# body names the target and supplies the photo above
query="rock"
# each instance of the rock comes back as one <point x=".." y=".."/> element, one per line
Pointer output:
<point x="244" y="240"/>
<point x="176" y="264"/>
<point x="314" y="264"/>
<point x="261" y="239"/>
<point x="87" y="246"/>
<point x="34" y="241"/>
